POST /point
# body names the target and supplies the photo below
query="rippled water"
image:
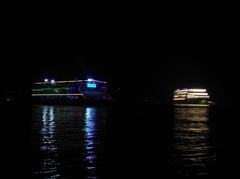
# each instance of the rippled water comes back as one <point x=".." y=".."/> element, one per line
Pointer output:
<point x="67" y="141"/>
<point x="110" y="142"/>
<point x="193" y="152"/>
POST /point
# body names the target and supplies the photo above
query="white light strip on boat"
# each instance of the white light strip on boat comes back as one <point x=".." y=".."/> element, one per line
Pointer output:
<point x="181" y="92"/>
<point x="195" y="94"/>
<point x="72" y="81"/>
<point x="181" y="95"/>
<point x="191" y="97"/>
<point x="193" y="90"/>
<point x="176" y="99"/>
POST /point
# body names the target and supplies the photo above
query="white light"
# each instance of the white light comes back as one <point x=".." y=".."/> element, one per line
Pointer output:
<point x="197" y="94"/>
<point x="181" y="93"/>
<point x="197" y="90"/>
<point x="52" y="81"/>
<point x="89" y="79"/>
<point x="191" y="97"/>
<point x="176" y="99"/>
<point x="46" y="80"/>
<point x="191" y="90"/>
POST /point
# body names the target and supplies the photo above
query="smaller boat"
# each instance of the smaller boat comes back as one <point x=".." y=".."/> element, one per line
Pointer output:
<point x="191" y="97"/>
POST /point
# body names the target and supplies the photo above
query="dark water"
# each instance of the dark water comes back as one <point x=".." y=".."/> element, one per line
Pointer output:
<point x="193" y="149"/>
<point x="123" y="142"/>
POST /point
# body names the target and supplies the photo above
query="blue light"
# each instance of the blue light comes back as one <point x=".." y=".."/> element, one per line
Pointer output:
<point x="90" y="140"/>
<point x="91" y="85"/>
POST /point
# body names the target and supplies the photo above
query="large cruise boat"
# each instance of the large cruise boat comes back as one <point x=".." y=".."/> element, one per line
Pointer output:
<point x="72" y="91"/>
<point x="191" y="97"/>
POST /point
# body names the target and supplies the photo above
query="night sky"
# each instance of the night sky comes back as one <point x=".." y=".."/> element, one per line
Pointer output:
<point x="135" y="67"/>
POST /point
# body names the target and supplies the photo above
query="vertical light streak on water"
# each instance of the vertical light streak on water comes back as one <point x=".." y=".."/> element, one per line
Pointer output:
<point x="90" y="141"/>
<point x="191" y="148"/>
<point x="49" y="164"/>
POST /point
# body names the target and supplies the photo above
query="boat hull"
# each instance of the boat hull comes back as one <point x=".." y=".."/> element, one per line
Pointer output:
<point x="69" y="100"/>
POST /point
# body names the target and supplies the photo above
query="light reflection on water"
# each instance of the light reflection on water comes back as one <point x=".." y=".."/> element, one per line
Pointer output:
<point x="49" y="164"/>
<point x="192" y="148"/>
<point x="72" y="141"/>
<point x="89" y="141"/>
<point x="59" y="130"/>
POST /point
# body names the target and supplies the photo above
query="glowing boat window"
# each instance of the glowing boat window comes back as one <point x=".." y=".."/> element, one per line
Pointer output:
<point x="91" y="85"/>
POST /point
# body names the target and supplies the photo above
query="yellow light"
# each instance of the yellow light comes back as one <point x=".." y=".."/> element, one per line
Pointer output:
<point x="181" y="95"/>
<point x="189" y="97"/>
<point x="176" y="99"/>
<point x="181" y="92"/>
<point x="201" y="94"/>
<point x="189" y="90"/>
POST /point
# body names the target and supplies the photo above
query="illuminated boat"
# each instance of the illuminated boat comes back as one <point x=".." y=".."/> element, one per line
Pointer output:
<point x="73" y="91"/>
<point x="191" y="97"/>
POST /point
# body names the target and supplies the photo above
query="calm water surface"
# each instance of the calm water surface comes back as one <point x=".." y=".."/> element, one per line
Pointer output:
<point x="122" y="142"/>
